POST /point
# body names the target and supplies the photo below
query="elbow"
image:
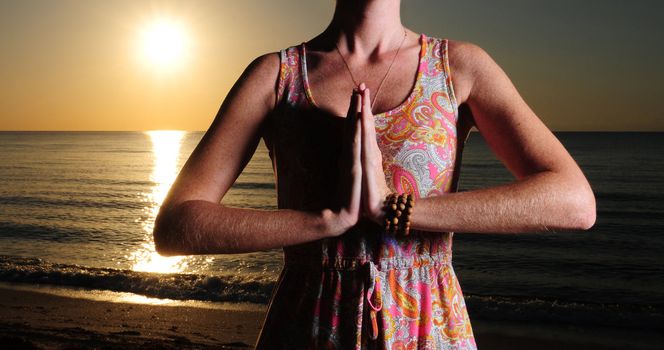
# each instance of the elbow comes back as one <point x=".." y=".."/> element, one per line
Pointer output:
<point x="165" y="234"/>
<point x="162" y="244"/>
<point x="583" y="209"/>
<point x="584" y="218"/>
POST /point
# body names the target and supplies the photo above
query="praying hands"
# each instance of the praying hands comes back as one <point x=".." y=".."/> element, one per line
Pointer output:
<point x="364" y="187"/>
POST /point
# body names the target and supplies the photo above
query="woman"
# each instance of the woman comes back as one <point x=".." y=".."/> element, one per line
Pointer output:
<point x="349" y="281"/>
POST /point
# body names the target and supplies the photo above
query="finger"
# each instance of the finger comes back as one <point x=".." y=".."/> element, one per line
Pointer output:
<point x="368" y="124"/>
<point x="354" y="120"/>
<point x="371" y="157"/>
<point x="357" y="170"/>
<point x="366" y="113"/>
<point x="356" y="123"/>
<point x="349" y="143"/>
<point x="357" y="131"/>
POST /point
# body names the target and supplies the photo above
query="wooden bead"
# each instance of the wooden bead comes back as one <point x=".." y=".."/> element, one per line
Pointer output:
<point x="398" y="208"/>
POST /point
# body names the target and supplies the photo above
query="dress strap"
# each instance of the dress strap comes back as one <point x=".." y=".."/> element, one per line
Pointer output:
<point x="289" y="86"/>
<point x="281" y="80"/>
<point x="289" y="81"/>
<point x="445" y="53"/>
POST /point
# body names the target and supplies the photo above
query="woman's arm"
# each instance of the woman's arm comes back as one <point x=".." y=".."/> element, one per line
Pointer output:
<point x="191" y="220"/>
<point x="550" y="193"/>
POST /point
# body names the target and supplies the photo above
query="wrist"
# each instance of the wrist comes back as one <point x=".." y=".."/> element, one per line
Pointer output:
<point x="335" y="223"/>
<point x="377" y="212"/>
<point x="398" y="209"/>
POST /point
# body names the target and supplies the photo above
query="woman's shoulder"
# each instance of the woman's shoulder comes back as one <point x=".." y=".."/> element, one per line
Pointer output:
<point x="467" y="61"/>
<point x="256" y="83"/>
<point x="265" y="64"/>
<point x="261" y="74"/>
<point x="466" y="52"/>
<point x="462" y="55"/>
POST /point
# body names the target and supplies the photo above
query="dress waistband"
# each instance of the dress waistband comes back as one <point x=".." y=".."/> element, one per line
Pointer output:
<point x="356" y="263"/>
<point x="373" y="273"/>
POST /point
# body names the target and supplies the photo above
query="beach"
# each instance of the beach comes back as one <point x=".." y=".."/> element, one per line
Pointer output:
<point x="36" y="320"/>
<point x="78" y="267"/>
<point x="46" y="321"/>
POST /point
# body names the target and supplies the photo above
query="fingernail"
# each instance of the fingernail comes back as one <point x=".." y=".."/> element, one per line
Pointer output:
<point x="363" y="86"/>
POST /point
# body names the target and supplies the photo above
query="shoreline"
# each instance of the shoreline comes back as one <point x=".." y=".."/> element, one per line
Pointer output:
<point x="45" y="321"/>
<point x="33" y="319"/>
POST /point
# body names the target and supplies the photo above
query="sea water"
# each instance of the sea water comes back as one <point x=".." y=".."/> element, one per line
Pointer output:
<point x="77" y="209"/>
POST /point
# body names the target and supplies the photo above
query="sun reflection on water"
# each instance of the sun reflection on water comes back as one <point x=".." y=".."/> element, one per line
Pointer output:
<point x="166" y="149"/>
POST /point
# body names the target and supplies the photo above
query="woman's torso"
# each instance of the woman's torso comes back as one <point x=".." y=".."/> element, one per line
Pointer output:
<point x="327" y="282"/>
<point x="421" y="142"/>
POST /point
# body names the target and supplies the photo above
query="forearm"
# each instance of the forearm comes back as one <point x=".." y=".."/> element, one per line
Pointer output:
<point x="202" y="227"/>
<point x="546" y="201"/>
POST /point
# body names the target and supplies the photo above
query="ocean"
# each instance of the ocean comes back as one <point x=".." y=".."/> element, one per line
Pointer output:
<point x="77" y="211"/>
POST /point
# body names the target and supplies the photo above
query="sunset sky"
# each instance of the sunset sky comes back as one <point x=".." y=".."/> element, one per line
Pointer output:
<point x="85" y="65"/>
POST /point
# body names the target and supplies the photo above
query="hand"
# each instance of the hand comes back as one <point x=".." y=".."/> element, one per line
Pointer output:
<point x="374" y="185"/>
<point x="350" y="166"/>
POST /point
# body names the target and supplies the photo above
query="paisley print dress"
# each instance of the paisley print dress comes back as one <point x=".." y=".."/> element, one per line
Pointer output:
<point x="367" y="289"/>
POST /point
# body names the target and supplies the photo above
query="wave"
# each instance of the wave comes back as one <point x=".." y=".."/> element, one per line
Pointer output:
<point x="59" y="233"/>
<point x="257" y="288"/>
<point x="228" y="288"/>
<point x="96" y="203"/>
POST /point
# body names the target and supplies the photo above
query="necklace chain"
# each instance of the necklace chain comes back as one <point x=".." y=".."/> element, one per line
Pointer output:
<point x="375" y="96"/>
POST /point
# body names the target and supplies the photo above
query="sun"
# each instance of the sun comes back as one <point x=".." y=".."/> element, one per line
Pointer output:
<point x="164" y="43"/>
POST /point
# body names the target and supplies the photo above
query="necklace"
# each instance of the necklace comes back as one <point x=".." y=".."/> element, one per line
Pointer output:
<point x="375" y="96"/>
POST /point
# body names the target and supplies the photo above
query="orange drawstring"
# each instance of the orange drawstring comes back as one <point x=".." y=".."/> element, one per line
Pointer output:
<point x="374" y="297"/>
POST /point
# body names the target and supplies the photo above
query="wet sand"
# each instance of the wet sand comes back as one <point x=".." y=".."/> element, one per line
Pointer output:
<point x="45" y="321"/>
<point x="35" y="320"/>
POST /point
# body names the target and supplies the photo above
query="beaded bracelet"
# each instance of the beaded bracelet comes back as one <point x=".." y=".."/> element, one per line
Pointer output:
<point x="398" y="208"/>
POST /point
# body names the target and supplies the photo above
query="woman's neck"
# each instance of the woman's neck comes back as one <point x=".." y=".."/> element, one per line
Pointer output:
<point x="366" y="28"/>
